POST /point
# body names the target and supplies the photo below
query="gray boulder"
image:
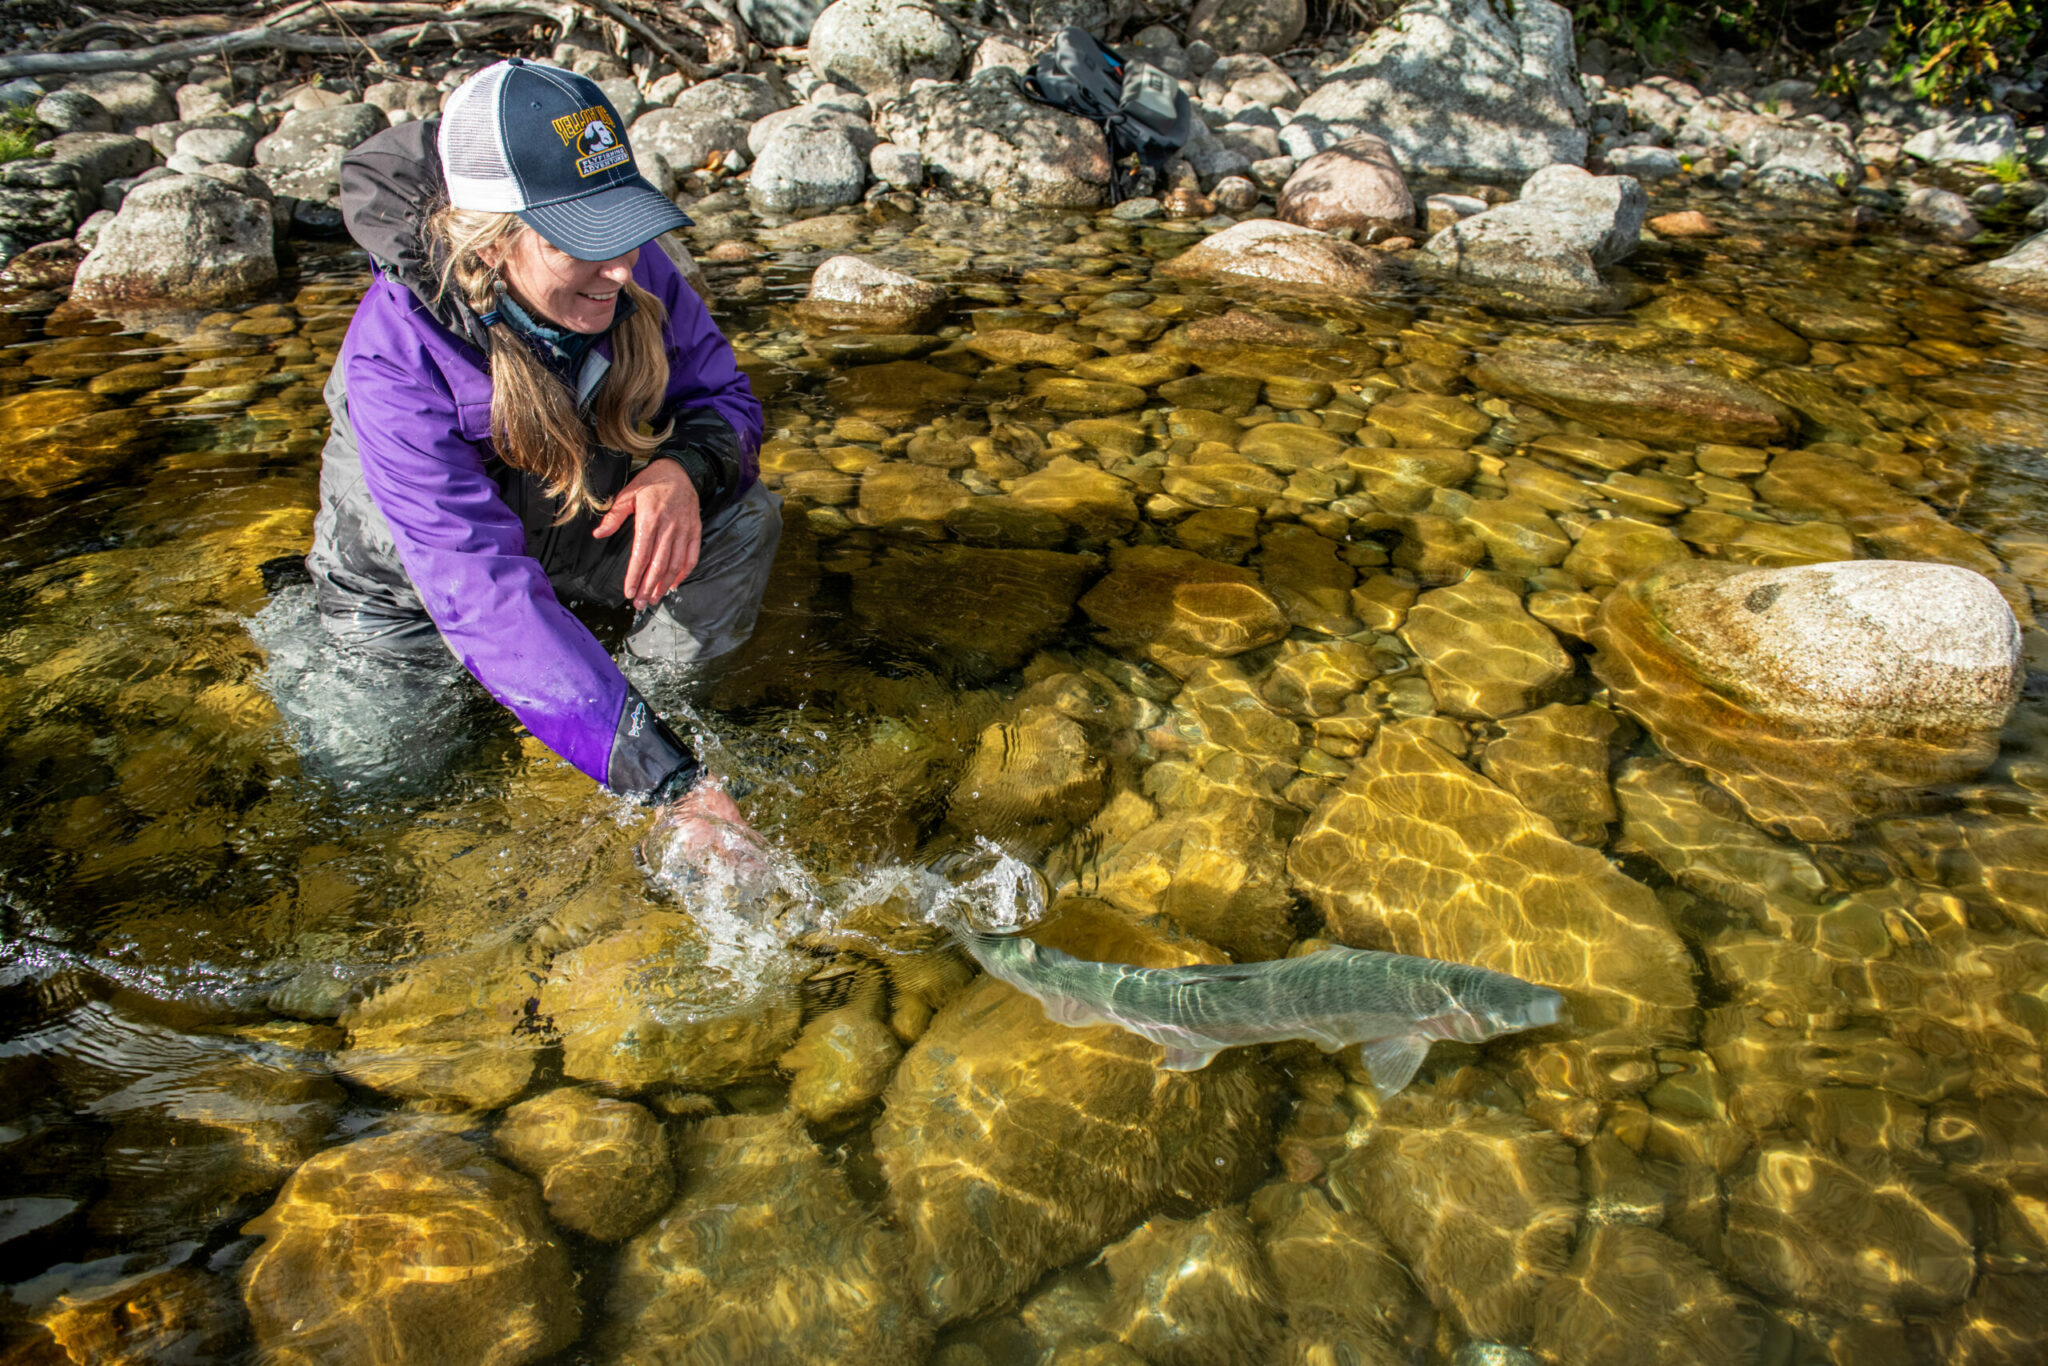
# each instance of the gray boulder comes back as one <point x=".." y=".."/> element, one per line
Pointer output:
<point x="101" y="157"/>
<point x="1644" y="163"/>
<point x="1660" y="104"/>
<point x="164" y="136"/>
<point x="879" y="47"/>
<point x="994" y="52"/>
<point x="131" y="97"/>
<point x="987" y="137"/>
<point x="686" y="140"/>
<point x="814" y="117"/>
<point x="1554" y="239"/>
<point x="1466" y="87"/>
<point x="899" y="168"/>
<point x="1800" y="160"/>
<point x="1942" y="214"/>
<point x="1216" y="154"/>
<point x="39" y="202"/>
<point x="182" y="240"/>
<point x="1980" y="140"/>
<point x="625" y="96"/>
<point x="233" y="146"/>
<point x="742" y="98"/>
<point x="73" y="111"/>
<point x="807" y="168"/>
<point x="414" y="99"/>
<point x="781" y="23"/>
<point x="305" y="136"/>
<point x="1248" y="25"/>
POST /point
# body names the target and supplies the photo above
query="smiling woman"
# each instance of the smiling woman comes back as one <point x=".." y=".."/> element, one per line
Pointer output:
<point x="527" y="379"/>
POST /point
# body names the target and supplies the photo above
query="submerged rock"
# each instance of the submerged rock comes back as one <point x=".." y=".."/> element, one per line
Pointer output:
<point x="1191" y="1292"/>
<point x="842" y="1060"/>
<point x="1418" y="854"/>
<point x="1850" y="1234"/>
<point x="603" y="1165"/>
<point x="1644" y="399"/>
<point x="1180" y="600"/>
<point x="451" y="1028"/>
<point x="642" y="1008"/>
<point x="1555" y="760"/>
<point x="1815" y="694"/>
<point x="976" y="612"/>
<point x="1345" y="1295"/>
<point x="1481" y="1205"/>
<point x="181" y="1314"/>
<point x="847" y="291"/>
<point x="1469" y="87"/>
<point x="1029" y="781"/>
<point x="413" y="1246"/>
<point x="1283" y="258"/>
<point x="1483" y="654"/>
<point x="1633" y="1294"/>
<point x="2021" y="273"/>
<point x="1013" y="1143"/>
<point x="766" y="1255"/>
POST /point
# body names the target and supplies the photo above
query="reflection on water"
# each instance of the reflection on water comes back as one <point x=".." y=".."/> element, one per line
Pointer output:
<point x="340" y="1021"/>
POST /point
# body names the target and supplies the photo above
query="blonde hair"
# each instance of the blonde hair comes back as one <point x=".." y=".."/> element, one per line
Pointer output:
<point x="534" y="422"/>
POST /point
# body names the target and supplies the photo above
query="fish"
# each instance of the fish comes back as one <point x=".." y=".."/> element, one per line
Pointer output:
<point x="1393" y="1004"/>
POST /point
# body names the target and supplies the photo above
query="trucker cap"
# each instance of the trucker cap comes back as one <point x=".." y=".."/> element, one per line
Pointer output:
<point x="546" y="144"/>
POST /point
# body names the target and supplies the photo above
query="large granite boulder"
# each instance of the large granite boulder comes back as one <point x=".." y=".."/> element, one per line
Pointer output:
<point x="1355" y="184"/>
<point x="1815" y="694"/>
<point x="305" y="136"/>
<point x="1247" y="25"/>
<point x="987" y="138"/>
<point x="409" y="1247"/>
<point x="806" y="168"/>
<point x="1471" y="87"/>
<point x="1282" y="258"/>
<point x="1554" y="239"/>
<point x="183" y="240"/>
<point x="1013" y="1143"/>
<point x="131" y="97"/>
<point x="766" y="1247"/>
<point x="1978" y="139"/>
<point x="1417" y="853"/>
<point x="879" y="47"/>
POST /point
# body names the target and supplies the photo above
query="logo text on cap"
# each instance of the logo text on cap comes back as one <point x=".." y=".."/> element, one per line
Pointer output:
<point x="596" y="140"/>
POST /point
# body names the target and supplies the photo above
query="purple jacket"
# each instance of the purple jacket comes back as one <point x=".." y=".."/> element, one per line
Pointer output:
<point x="411" y="399"/>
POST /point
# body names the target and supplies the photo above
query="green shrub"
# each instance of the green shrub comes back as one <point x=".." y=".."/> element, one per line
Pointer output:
<point x="19" y="133"/>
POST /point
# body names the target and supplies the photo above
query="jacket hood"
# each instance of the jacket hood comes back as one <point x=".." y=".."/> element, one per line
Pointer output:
<point x="390" y="185"/>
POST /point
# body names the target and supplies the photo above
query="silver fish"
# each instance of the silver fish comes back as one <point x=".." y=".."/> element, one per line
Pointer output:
<point x="1393" y="1004"/>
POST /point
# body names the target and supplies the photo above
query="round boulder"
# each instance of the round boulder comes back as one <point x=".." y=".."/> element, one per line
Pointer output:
<point x="1816" y="694"/>
<point x="847" y="291"/>
<point x="879" y="47"/>
<point x="1356" y="184"/>
<point x="1248" y="25"/>
<point x="603" y="1165"/>
<point x="409" y="1247"/>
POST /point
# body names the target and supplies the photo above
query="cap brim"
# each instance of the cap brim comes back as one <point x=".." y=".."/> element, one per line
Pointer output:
<point x="598" y="227"/>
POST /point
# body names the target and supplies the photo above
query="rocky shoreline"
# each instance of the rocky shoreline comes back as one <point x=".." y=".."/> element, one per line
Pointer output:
<point x="157" y="189"/>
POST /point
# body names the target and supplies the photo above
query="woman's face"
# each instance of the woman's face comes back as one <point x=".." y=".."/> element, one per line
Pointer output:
<point x="579" y="295"/>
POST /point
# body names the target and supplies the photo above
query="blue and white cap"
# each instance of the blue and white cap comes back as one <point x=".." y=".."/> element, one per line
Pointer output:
<point x="546" y="144"/>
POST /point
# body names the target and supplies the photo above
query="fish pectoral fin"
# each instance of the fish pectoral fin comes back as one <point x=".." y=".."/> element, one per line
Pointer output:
<point x="1186" y="1059"/>
<point x="1394" y="1062"/>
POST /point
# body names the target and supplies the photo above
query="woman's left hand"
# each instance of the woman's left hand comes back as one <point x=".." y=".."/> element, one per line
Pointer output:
<point x="668" y="530"/>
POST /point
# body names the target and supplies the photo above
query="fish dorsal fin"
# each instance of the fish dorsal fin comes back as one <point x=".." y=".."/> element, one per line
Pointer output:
<point x="1187" y="1059"/>
<point x="1394" y="1062"/>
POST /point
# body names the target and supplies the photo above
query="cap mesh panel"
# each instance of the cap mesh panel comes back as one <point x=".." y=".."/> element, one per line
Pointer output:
<point x="472" y="140"/>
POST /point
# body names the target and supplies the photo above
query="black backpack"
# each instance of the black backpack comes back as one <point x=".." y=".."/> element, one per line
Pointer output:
<point x="1142" y="111"/>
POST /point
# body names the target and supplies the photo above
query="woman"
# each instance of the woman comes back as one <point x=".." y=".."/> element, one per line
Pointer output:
<point x="528" y="343"/>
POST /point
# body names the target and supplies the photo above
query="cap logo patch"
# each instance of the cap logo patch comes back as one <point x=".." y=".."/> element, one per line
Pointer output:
<point x="596" y="141"/>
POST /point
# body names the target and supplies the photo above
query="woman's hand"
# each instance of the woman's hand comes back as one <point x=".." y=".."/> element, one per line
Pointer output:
<point x="668" y="533"/>
<point x="703" y="835"/>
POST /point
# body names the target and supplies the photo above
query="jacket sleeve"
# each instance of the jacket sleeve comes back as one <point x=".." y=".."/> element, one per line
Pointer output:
<point x="717" y="435"/>
<point x="465" y="552"/>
